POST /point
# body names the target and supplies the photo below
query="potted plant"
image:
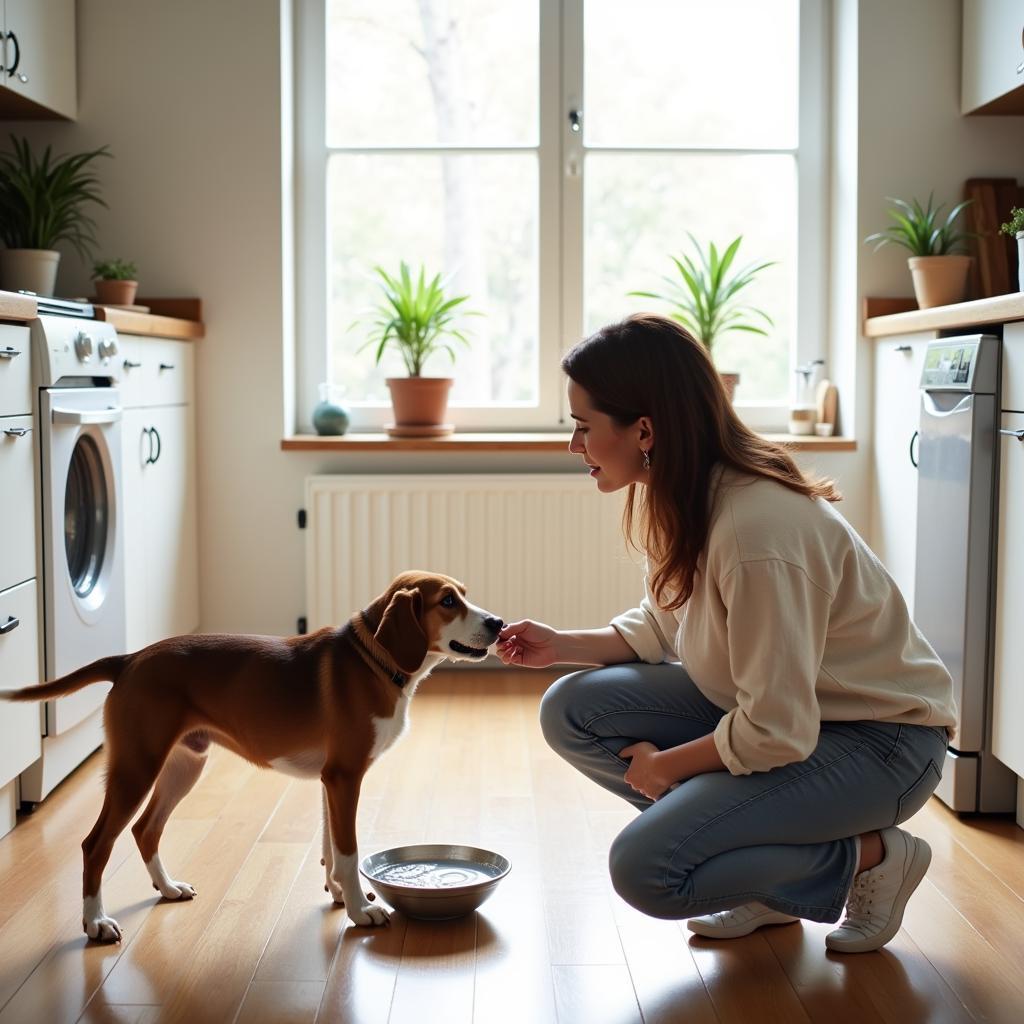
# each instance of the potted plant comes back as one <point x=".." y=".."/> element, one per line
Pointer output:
<point x="704" y="297"/>
<point x="416" y="317"/>
<point x="939" y="271"/>
<point x="42" y="202"/>
<point x="115" y="282"/>
<point x="1015" y="228"/>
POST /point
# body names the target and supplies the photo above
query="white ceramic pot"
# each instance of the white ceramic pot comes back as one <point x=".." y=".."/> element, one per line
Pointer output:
<point x="1020" y="261"/>
<point x="30" y="270"/>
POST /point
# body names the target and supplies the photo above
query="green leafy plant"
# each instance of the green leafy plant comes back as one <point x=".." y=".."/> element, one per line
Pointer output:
<point x="42" y="201"/>
<point x="414" y="316"/>
<point x="114" y="270"/>
<point x="921" y="229"/>
<point x="704" y="295"/>
<point x="1015" y="224"/>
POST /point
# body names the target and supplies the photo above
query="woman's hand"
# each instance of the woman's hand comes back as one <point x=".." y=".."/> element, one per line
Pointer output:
<point x="646" y="772"/>
<point x="528" y="643"/>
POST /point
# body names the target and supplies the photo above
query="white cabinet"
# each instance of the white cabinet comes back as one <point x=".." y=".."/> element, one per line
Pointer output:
<point x="898" y="365"/>
<point x="38" y="59"/>
<point x="20" y="663"/>
<point x="992" y="68"/>
<point x="159" y="462"/>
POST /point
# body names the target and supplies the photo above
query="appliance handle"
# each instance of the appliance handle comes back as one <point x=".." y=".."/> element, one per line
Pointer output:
<point x="933" y="410"/>
<point x="80" y="417"/>
<point x="1019" y="434"/>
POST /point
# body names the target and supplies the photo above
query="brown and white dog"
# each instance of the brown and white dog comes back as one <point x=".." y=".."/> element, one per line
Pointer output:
<point x="323" y="704"/>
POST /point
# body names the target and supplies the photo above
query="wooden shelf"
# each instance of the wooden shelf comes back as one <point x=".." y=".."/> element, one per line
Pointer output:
<point x="885" y="317"/>
<point x="504" y="442"/>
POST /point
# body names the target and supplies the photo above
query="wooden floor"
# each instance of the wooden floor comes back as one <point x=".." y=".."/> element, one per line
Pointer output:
<point x="262" y="943"/>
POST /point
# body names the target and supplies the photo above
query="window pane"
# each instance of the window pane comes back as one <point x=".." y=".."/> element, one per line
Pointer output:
<point x="428" y="72"/>
<point x="474" y="217"/>
<point x="638" y="209"/>
<point x="691" y="73"/>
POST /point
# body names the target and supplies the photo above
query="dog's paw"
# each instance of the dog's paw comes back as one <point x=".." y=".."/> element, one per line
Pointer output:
<point x="102" y="929"/>
<point x="336" y="891"/>
<point x="175" y="890"/>
<point x="368" y="915"/>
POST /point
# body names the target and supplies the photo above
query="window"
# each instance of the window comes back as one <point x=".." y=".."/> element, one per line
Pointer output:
<point x="548" y="158"/>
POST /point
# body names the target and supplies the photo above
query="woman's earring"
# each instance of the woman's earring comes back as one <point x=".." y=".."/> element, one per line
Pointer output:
<point x="647" y="458"/>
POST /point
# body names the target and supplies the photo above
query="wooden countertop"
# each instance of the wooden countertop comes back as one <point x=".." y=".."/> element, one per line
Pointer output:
<point x="16" y="307"/>
<point x="167" y="318"/>
<point x="885" y="317"/>
<point x="504" y="442"/>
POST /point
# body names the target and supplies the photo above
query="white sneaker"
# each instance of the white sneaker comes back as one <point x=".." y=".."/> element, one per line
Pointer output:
<point x="741" y="920"/>
<point x="874" y="908"/>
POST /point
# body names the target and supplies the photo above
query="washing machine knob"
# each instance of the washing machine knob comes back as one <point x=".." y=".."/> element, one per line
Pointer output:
<point x="108" y="349"/>
<point x="83" y="347"/>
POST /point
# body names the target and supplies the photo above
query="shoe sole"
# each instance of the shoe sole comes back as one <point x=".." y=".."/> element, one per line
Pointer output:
<point x="710" y="932"/>
<point x="918" y="868"/>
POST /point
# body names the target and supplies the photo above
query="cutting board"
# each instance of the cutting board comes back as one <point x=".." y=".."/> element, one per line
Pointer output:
<point x="994" y="270"/>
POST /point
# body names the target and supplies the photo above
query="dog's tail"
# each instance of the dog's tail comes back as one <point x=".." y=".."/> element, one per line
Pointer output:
<point x="106" y="669"/>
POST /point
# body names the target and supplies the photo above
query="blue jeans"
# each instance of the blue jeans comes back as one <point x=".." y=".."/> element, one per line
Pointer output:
<point x="784" y="837"/>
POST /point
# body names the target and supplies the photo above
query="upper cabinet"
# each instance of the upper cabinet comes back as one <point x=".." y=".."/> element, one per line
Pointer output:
<point x="37" y="60"/>
<point x="992" y="71"/>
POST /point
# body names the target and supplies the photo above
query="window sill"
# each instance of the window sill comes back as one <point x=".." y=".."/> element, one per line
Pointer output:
<point x="505" y="442"/>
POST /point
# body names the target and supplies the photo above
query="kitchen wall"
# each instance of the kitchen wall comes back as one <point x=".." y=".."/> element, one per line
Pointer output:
<point x="189" y="96"/>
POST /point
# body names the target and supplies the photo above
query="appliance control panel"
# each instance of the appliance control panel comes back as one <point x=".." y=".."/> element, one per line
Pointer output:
<point x="966" y="363"/>
<point x="69" y="347"/>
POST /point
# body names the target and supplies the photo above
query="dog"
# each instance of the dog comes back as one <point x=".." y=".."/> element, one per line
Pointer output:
<point x="325" y="704"/>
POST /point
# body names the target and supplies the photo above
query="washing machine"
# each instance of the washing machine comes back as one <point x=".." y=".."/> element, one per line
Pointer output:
<point x="79" y="414"/>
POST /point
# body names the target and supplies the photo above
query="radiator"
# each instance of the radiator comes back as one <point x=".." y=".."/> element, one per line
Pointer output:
<point x="546" y="547"/>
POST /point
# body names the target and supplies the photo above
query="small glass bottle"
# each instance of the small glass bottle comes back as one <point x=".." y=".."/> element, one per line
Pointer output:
<point x="802" y="411"/>
<point x="329" y="418"/>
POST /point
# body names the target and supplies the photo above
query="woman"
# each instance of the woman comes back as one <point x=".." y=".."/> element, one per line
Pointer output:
<point x="770" y="706"/>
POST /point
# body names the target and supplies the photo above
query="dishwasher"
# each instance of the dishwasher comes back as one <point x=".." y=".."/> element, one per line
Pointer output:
<point x="953" y="595"/>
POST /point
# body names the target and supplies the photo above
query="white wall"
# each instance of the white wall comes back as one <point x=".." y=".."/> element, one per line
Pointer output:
<point x="188" y="95"/>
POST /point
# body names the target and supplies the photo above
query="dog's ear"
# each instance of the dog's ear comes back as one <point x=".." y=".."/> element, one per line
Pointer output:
<point x="400" y="632"/>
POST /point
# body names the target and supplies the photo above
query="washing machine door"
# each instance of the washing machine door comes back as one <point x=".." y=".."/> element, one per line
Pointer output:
<point x="83" y="546"/>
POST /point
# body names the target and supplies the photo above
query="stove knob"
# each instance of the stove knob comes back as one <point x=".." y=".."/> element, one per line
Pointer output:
<point x="83" y="347"/>
<point x="108" y="349"/>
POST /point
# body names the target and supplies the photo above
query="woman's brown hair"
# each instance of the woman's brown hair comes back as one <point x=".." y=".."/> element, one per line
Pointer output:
<point x="649" y="365"/>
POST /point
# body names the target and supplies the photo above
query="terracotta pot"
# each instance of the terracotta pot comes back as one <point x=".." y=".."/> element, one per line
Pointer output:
<point x="939" y="280"/>
<point x="31" y="270"/>
<point x="115" y="293"/>
<point x="420" y="404"/>
<point x="730" y="380"/>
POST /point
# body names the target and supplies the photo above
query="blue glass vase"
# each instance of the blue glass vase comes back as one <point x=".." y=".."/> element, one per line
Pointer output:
<point x="329" y="418"/>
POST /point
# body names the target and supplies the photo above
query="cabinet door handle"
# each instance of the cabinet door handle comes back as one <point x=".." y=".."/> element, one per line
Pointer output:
<point x="154" y="433"/>
<point x="1019" y="434"/>
<point x="167" y="366"/>
<point x="17" y="59"/>
<point x="913" y="460"/>
<point x="129" y="365"/>
<point x="11" y="623"/>
<point x="16" y="431"/>
<point x="9" y="353"/>
<point x="903" y="348"/>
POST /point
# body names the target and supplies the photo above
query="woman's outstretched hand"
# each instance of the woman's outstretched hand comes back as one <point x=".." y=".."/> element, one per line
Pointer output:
<point x="646" y="773"/>
<point x="528" y="643"/>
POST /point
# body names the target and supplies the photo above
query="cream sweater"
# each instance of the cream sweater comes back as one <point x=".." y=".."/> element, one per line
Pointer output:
<point x="792" y="621"/>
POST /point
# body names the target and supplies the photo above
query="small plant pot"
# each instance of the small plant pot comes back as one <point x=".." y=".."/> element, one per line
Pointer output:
<point x="939" y="280"/>
<point x="30" y="270"/>
<point x="115" y="293"/>
<point x="731" y="382"/>
<point x="420" y="404"/>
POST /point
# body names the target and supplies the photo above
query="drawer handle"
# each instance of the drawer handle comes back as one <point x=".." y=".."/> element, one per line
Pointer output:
<point x="167" y="366"/>
<point x="9" y="353"/>
<point x="1019" y="434"/>
<point x="11" y="623"/>
<point x="16" y="431"/>
<point x="903" y="348"/>
<point x="80" y="417"/>
<point x="129" y="365"/>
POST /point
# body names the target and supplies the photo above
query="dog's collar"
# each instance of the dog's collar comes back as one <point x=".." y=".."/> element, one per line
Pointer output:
<point x="374" y="654"/>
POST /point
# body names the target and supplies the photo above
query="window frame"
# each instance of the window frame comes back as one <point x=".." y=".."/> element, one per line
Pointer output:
<point x="561" y="159"/>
